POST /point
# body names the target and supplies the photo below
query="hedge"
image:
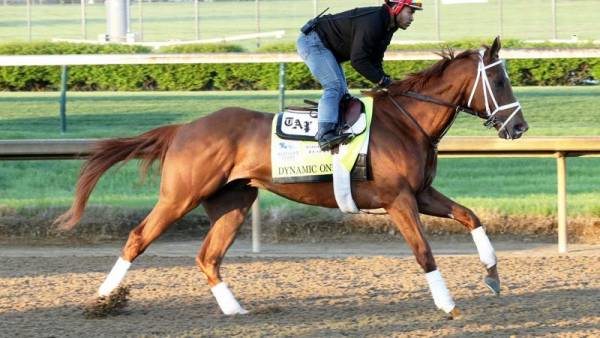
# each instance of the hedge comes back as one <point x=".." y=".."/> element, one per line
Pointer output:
<point x="523" y="72"/>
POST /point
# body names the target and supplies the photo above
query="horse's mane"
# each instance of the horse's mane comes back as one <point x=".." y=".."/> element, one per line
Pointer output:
<point x="416" y="81"/>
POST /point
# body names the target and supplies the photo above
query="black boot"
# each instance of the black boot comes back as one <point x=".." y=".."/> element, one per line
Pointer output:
<point x="327" y="136"/>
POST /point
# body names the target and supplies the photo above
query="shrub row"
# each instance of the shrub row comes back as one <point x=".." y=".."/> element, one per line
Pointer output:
<point x="523" y="72"/>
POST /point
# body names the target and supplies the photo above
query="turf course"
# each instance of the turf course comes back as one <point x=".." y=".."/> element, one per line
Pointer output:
<point x="505" y="186"/>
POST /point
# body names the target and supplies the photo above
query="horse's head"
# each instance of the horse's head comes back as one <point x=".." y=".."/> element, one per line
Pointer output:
<point x="477" y="78"/>
<point x="491" y="94"/>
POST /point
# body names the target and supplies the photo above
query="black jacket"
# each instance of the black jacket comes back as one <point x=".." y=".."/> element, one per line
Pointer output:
<point x="360" y="35"/>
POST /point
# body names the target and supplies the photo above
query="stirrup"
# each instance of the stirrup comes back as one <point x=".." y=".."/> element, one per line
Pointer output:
<point x="332" y="143"/>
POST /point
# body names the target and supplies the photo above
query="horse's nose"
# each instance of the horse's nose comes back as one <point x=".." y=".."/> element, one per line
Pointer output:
<point x="521" y="128"/>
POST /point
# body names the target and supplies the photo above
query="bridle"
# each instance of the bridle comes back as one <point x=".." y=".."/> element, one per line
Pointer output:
<point x="491" y="119"/>
<point x="488" y="94"/>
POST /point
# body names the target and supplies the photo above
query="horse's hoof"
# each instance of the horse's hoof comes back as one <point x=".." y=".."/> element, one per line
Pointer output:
<point x="454" y="314"/>
<point x="493" y="285"/>
<point x="110" y="305"/>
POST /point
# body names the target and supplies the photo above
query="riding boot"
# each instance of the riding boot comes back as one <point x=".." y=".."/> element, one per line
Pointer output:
<point x="328" y="136"/>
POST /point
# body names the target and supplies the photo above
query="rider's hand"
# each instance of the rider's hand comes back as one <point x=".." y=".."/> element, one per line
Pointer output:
<point x="385" y="82"/>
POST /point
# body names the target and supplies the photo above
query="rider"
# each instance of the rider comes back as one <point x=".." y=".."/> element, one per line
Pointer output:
<point x="360" y="35"/>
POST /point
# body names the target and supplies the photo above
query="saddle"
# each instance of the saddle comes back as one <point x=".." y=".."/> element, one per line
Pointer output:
<point x="300" y="122"/>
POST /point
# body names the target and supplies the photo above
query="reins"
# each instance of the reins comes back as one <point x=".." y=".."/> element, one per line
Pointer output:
<point x="425" y="98"/>
<point x="457" y="108"/>
<point x="409" y="115"/>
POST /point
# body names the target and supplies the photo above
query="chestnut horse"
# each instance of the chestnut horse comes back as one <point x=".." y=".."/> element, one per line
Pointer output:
<point x="221" y="160"/>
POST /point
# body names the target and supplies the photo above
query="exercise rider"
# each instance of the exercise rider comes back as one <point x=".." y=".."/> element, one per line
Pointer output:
<point x="361" y="36"/>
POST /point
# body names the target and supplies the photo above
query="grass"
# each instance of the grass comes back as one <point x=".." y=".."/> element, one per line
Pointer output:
<point x="175" y="21"/>
<point x="511" y="186"/>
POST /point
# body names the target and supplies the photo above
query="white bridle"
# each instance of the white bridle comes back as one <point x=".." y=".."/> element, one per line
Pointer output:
<point x="489" y="94"/>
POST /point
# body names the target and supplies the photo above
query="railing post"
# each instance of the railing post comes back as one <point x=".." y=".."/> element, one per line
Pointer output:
<point x="63" y="100"/>
<point x="29" y="20"/>
<point x="554" y="32"/>
<point x="257" y="8"/>
<point x="561" y="174"/>
<point x="501" y="17"/>
<point x="197" y="19"/>
<point x="281" y="86"/>
<point x="141" y="18"/>
<point x="256" y="225"/>
<point x="438" y="34"/>
<point x="83" y="22"/>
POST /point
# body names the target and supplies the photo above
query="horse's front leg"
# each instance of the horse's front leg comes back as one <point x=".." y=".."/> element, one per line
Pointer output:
<point x="432" y="202"/>
<point x="404" y="214"/>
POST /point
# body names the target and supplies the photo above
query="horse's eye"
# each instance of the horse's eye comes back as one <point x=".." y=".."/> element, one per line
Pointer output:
<point x="499" y="83"/>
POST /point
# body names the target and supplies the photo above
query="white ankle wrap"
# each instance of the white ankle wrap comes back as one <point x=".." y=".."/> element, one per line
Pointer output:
<point x="226" y="300"/>
<point x="441" y="295"/>
<point x="484" y="247"/>
<point x="114" y="278"/>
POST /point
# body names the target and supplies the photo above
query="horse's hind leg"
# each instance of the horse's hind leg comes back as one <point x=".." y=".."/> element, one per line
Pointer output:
<point x="226" y="209"/>
<point x="165" y="213"/>
<point x="431" y="202"/>
<point x="177" y="197"/>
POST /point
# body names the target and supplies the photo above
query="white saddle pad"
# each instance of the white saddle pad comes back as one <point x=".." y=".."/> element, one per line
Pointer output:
<point x="302" y="125"/>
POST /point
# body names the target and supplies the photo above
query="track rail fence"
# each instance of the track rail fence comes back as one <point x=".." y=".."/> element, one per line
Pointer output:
<point x="546" y="147"/>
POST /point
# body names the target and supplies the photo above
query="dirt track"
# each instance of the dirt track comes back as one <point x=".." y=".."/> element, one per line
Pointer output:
<point x="338" y="295"/>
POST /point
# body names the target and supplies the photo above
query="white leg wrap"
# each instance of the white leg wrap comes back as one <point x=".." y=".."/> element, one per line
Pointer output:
<point x="484" y="247"/>
<point x="441" y="295"/>
<point x="115" y="277"/>
<point x="226" y="300"/>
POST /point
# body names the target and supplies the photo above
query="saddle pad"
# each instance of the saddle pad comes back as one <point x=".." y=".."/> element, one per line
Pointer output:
<point x="294" y="161"/>
<point x="297" y="125"/>
<point x="303" y="125"/>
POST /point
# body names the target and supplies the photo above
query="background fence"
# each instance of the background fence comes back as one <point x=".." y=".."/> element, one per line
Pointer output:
<point x="23" y="20"/>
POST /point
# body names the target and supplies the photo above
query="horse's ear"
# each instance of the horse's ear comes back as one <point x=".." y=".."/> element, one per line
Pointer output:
<point x="492" y="52"/>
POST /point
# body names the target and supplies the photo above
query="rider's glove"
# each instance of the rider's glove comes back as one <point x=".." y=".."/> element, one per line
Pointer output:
<point x="385" y="82"/>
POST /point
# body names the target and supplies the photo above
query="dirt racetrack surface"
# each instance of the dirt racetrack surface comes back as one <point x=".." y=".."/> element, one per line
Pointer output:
<point x="42" y="292"/>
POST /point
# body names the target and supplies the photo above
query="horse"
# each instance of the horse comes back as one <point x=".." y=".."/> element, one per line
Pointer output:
<point x="221" y="160"/>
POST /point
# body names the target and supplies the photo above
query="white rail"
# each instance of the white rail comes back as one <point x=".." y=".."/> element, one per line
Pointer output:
<point x="156" y="45"/>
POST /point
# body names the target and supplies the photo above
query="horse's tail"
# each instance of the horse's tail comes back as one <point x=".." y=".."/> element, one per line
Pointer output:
<point x="148" y="147"/>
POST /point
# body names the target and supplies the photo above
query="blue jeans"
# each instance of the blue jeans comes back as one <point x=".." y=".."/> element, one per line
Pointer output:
<point x="327" y="70"/>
